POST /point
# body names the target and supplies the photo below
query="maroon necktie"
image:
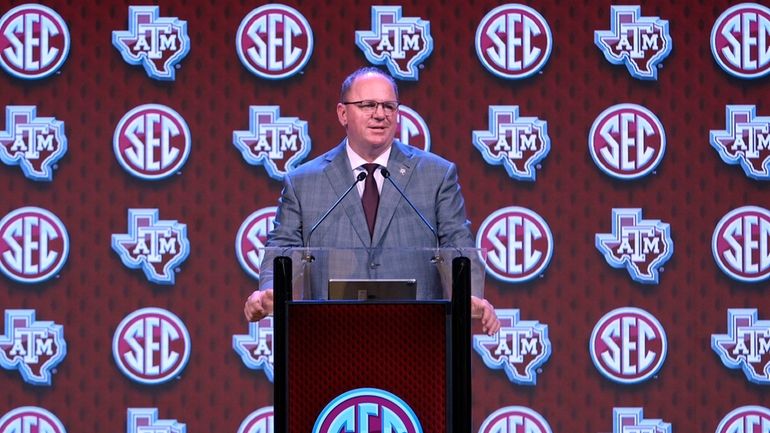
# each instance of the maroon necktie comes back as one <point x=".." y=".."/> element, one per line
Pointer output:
<point x="371" y="197"/>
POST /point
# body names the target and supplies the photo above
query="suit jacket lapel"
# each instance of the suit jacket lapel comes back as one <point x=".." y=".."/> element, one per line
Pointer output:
<point x="341" y="177"/>
<point x="400" y="167"/>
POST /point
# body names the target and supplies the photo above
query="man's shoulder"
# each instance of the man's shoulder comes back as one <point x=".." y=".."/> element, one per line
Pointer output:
<point x="316" y="166"/>
<point x="424" y="159"/>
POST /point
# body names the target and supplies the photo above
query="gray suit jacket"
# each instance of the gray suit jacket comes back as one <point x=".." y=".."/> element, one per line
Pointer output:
<point x="428" y="180"/>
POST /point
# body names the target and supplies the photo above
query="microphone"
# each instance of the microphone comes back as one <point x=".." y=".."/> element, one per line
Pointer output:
<point x="309" y="257"/>
<point x="386" y="175"/>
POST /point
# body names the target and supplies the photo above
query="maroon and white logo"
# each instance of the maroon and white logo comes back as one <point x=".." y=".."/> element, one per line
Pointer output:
<point x="515" y="419"/>
<point x="34" y="245"/>
<point x="740" y="40"/>
<point x="151" y="346"/>
<point x="30" y="419"/>
<point x="513" y="41"/>
<point x="252" y="239"/>
<point x="152" y="142"/>
<point x="746" y="419"/>
<point x="628" y="345"/>
<point x="519" y="244"/>
<point x="367" y="410"/>
<point x="412" y="129"/>
<point x="259" y="421"/>
<point x="274" y="41"/>
<point x="34" y="41"/>
<point x="627" y="141"/>
<point x="741" y="244"/>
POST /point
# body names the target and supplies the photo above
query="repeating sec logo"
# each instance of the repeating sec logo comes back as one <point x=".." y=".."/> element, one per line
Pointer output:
<point x="34" y="143"/>
<point x="740" y="39"/>
<point x="256" y="348"/>
<point x="627" y="141"/>
<point x="33" y="347"/>
<point x="741" y="244"/>
<point x="30" y="419"/>
<point x="631" y="419"/>
<point x="628" y="345"/>
<point x="259" y="421"/>
<point x="513" y="41"/>
<point x="745" y="141"/>
<point x="152" y="142"/>
<point x="157" y="43"/>
<point x="640" y="43"/>
<point x="367" y="409"/>
<point x="274" y="41"/>
<point x="252" y="239"/>
<point x="519" y="244"/>
<point x="34" y="245"/>
<point x="412" y="129"/>
<point x="746" y="346"/>
<point x="151" y="346"/>
<point x="35" y="41"/>
<point x="514" y="419"/>
<point x="517" y="143"/>
<point x="745" y="419"/>
<point x="141" y="420"/>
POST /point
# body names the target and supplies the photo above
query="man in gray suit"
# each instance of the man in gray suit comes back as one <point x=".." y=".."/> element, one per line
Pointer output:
<point x="376" y="219"/>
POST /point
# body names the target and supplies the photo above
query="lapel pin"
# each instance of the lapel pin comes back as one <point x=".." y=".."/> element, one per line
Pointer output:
<point x="402" y="171"/>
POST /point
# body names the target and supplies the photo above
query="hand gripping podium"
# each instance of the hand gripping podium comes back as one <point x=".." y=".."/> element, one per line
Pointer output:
<point x="378" y="336"/>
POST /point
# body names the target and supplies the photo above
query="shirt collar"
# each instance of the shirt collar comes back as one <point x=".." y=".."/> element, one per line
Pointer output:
<point x="356" y="161"/>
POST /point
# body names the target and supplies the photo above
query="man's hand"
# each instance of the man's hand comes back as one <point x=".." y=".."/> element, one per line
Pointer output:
<point x="258" y="305"/>
<point x="482" y="309"/>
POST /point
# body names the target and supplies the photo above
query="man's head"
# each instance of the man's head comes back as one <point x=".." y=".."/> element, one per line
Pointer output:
<point x="368" y="111"/>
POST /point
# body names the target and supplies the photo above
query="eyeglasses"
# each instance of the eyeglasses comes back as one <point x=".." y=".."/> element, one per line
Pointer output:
<point x="369" y="107"/>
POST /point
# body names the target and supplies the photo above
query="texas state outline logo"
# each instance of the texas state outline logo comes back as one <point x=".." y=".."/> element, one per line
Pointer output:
<point x="745" y="141"/>
<point x="367" y="409"/>
<point x="640" y="43"/>
<point x="256" y="348"/>
<point x="35" y="41"/>
<point x="632" y="420"/>
<point x="33" y="347"/>
<point x="33" y="143"/>
<point x="523" y="419"/>
<point x="155" y="246"/>
<point x="31" y="419"/>
<point x="517" y="143"/>
<point x="520" y="348"/>
<point x="141" y="420"/>
<point x="156" y="43"/>
<point x="400" y="43"/>
<point x="259" y="421"/>
<point x="739" y="40"/>
<point x="277" y="143"/>
<point x="746" y="346"/>
<point x="641" y="246"/>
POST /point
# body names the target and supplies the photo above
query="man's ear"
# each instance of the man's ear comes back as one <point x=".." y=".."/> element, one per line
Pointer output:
<point x="342" y="114"/>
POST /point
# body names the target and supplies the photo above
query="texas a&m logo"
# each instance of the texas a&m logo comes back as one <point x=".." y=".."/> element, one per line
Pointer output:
<point x="641" y="246"/>
<point x="157" y="43"/>
<point x="367" y="409"/>
<point x="274" y="41"/>
<point x="746" y="419"/>
<point x="141" y="420"/>
<point x="256" y="348"/>
<point x="278" y="143"/>
<point x="513" y="41"/>
<point x="631" y="420"/>
<point x="515" y="419"/>
<point x="252" y="239"/>
<point x="34" y="40"/>
<point x="152" y="141"/>
<point x="746" y="346"/>
<point x="740" y="39"/>
<point x="151" y="346"/>
<point x="519" y="244"/>
<point x="33" y="347"/>
<point x="30" y="419"/>
<point x="155" y="246"/>
<point x="34" y="143"/>
<point x="401" y="44"/>
<point x="627" y="141"/>
<point x="640" y="43"/>
<point x="519" y="144"/>
<point x="34" y="245"/>
<point x="520" y="348"/>
<point x="628" y="345"/>
<point x="412" y="129"/>
<point x="259" y="421"/>
<point x="741" y="244"/>
<point x="745" y="141"/>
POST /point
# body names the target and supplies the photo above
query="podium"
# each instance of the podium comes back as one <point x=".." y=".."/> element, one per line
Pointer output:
<point x="372" y="339"/>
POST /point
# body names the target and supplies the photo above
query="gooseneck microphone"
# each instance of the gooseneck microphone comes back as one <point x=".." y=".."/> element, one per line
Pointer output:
<point x="309" y="257"/>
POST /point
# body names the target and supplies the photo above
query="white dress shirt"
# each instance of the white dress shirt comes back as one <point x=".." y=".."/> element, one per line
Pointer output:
<point x="357" y="163"/>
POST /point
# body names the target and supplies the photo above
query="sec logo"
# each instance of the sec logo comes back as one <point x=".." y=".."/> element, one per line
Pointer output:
<point x="34" y="245"/>
<point x="741" y="244"/>
<point x="740" y="39"/>
<point x="30" y="419"/>
<point x="515" y="419"/>
<point x="151" y="346"/>
<point x="746" y="419"/>
<point x="259" y="421"/>
<point x="519" y="244"/>
<point x="513" y="41"/>
<point x="412" y="129"/>
<point x="274" y="41"/>
<point x="367" y="409"/>
<point x="252" y="239"/>
<point x="35" y="41"/>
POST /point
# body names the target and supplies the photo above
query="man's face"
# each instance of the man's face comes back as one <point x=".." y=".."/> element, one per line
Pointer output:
<point x="368" y="134"/>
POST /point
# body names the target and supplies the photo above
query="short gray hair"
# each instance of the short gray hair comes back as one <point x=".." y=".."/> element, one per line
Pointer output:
<point x="348" y="83"/>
